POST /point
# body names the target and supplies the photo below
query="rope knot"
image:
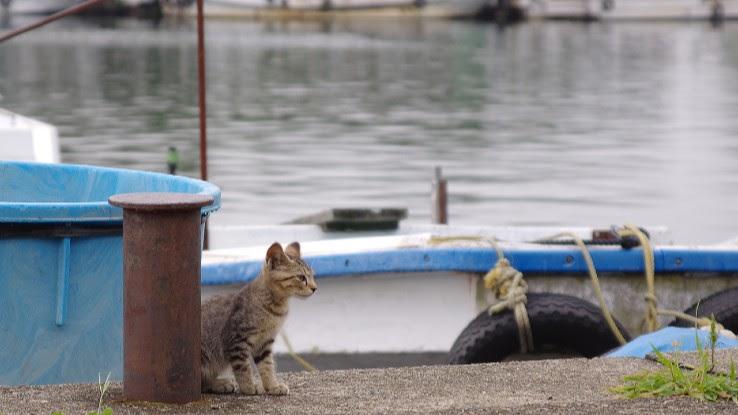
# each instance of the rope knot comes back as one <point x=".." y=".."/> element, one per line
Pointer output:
<point x="509" y="287"/>
<point x="501" y="279"/>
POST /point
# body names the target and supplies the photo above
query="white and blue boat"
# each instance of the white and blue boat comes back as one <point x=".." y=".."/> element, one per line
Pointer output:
<point x="416" y="290"/>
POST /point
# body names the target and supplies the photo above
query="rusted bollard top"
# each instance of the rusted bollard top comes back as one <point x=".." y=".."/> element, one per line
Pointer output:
<point x="160" y="201"/>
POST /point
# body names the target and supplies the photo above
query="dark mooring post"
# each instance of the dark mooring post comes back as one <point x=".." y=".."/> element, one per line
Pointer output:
<point x="439" y="199"/>
<point x="161" y="295"/>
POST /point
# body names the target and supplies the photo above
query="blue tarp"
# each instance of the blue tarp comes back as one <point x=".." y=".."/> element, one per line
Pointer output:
<point x="671" y="339"/>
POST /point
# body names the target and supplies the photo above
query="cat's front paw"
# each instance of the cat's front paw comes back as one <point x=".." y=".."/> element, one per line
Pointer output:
<point x="278" y="388"/>
<point x="252" y="389"/>
<point x="224" y="385"/>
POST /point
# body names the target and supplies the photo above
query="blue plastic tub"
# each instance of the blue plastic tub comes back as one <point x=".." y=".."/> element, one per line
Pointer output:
<point x="61" y="284"/>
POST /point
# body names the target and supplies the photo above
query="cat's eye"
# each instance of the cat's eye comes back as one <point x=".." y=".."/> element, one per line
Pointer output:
<point x="302" y="278"/>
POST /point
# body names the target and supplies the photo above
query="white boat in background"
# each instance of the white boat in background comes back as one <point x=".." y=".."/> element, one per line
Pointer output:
<point x="265" y="8"/>
<point x="35" y="6"/>
<point x="416" y="294"/>
<point x="414" y="289"/>
<point x="27" y="139"/>
<point x="631" y="9"/>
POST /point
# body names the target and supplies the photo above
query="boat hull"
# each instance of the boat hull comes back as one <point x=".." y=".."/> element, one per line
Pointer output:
<point x="374" y="291"/>
<point x="425" y="312"/>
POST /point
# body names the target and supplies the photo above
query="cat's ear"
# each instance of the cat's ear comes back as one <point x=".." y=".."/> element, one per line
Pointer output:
<point x="293" y="250"/>
<point x="275" y="255"/>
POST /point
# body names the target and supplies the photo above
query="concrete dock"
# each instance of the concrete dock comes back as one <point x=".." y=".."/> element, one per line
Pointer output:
<point x="525" y="387"/>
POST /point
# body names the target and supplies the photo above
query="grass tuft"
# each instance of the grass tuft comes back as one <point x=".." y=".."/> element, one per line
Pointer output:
<point x="103" y="386"/>
<point x="675" y="379"/>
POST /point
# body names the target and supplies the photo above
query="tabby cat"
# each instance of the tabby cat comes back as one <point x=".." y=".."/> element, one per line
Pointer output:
<point x="238" y="329"/>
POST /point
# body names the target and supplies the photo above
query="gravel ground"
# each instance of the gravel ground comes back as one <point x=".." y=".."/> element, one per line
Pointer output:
<point x="530" y="387"/>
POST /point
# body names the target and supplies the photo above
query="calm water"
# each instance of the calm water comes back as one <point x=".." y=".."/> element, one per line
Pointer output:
<point x="541" y="123"/>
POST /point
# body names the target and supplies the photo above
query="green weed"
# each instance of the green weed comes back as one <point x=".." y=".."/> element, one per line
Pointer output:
<point x="103" y="386"/>
<point x="676" y="379"/>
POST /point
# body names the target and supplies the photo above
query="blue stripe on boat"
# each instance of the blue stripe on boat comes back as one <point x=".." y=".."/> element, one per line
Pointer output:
<point x="544" y="260"/>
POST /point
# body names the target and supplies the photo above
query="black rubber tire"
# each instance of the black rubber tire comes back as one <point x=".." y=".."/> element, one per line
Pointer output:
<point x="723" y="304"/>
<point x="560" y="323"/>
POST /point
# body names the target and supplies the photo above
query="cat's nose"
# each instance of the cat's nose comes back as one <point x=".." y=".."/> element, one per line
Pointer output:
<point x="313" y="288"/>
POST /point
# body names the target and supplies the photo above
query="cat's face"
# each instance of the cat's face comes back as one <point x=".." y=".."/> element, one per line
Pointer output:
<point x="288" y="273"/>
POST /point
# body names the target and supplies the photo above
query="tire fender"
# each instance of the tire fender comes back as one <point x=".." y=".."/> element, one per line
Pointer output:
<point x="560" y="323"/>
<point x="722" y="304"/>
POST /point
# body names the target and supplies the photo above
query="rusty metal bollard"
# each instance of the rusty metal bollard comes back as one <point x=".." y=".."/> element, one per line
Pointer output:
<point x="161" y="295"/>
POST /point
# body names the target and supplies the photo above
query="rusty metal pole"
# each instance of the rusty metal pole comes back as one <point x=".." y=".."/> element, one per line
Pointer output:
<point x="201" y="92"/>
<point x="161" y="295"/>
<point x="56" y="16"/>
<point x="439" y="199"/>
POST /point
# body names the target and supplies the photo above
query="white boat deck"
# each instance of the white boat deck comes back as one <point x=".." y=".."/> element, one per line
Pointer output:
<point x="248" y="240"/>
<point x="27" y="139"/>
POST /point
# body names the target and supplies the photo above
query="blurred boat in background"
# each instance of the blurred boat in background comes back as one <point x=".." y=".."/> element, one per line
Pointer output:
<point x="297" y="8"/>
<point x="35" y="6"/>
<point x="535" y="9"/>
<point x="631" y="9"/>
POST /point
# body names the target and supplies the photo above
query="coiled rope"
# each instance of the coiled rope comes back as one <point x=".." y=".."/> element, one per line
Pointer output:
<point x="508" y="285"/>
